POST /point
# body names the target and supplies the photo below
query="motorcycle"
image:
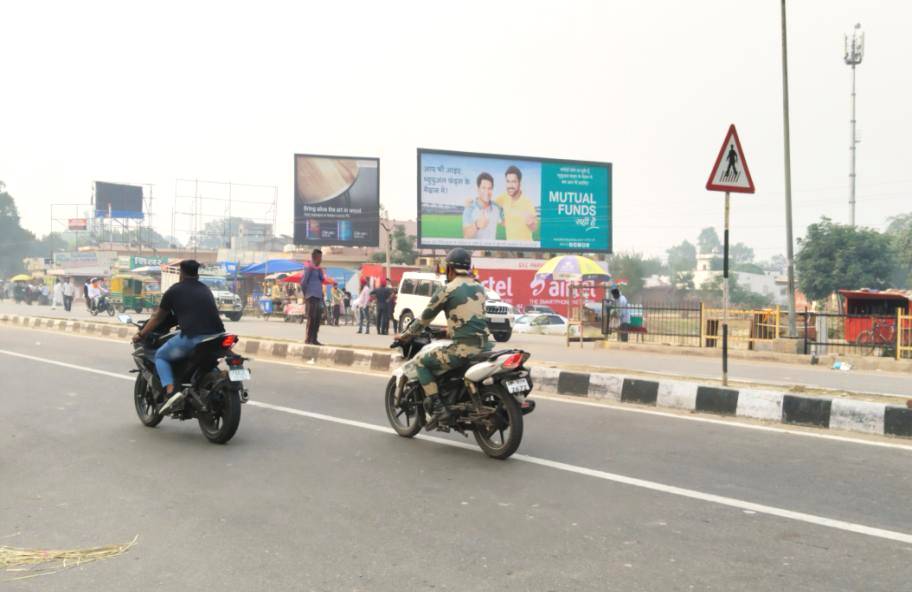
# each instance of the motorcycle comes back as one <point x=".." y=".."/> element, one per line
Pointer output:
<point x="104" y="305"/>
<point x="488" y="397"/>
<point x="214" y="395"/>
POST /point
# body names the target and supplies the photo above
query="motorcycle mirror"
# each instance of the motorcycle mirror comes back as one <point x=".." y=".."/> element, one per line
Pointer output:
<point x="125" y="319"/>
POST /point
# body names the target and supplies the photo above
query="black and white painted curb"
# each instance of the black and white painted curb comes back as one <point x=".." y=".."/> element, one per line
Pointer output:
<point x="776" y="406"/>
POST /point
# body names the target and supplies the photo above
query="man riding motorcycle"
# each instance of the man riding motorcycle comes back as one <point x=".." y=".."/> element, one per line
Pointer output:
<point x="192" y="304"/>
<point x="462" y="300"/>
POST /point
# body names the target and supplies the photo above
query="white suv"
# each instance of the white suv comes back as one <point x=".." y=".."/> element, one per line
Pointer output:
<point x="416" y="288"/>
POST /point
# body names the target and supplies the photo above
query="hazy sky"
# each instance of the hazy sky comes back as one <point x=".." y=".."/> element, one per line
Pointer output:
<point x="155" y="91"/>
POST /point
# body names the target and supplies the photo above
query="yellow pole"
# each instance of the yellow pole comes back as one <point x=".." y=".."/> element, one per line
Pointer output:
<point x="702" y="325"/>
<point x="778" y="318"/>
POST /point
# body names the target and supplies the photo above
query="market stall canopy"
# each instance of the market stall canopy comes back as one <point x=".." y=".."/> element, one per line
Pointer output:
<point x="296" y="278"/>
<point x="273" y="266"/>
<point x="21" y="278"/>
<point x="572" y="268"/>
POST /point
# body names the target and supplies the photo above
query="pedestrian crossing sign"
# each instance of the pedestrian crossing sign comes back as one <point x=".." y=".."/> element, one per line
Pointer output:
<point x="730" y="172"/>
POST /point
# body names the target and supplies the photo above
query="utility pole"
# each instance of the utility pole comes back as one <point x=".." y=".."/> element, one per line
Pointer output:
<point x="387" y="226"/>
<point x="853" y="56"/>
<point x="789" y="249"/>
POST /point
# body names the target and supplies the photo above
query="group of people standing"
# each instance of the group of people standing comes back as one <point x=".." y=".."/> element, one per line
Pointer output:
<point x="61" y="293"/>
<point x="377" y="303"/>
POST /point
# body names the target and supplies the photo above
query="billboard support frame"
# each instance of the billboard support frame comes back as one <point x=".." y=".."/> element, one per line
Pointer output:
<point x="422" y="246"/>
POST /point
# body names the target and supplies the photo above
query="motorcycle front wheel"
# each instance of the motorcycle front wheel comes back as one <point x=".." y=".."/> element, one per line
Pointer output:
<point x="405" y="417"/>
<point x="144" y="399"/>
<point x="221" y="422"/>
<point x="502" y="434"/>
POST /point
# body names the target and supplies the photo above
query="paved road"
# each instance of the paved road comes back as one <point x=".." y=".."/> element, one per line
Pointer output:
<point x="553" y="349"/>
<point x="315" y="494"/>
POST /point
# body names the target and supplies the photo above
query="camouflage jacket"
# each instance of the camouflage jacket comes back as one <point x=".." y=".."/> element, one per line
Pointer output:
<point x="462" y="300"/>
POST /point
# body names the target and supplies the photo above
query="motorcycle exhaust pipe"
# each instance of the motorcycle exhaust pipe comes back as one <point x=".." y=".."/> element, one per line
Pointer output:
<point x="527" y="406"/>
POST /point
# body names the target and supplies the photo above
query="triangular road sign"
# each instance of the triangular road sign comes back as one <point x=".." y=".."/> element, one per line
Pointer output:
<point x="730" y="173"/>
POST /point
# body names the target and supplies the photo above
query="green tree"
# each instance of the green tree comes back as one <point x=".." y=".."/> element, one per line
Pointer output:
<point x="708" y="241"/>
<point x="738" y="295"/>
<point x="900" y="232"/>
<point x="681" y="258"/>
<point x="833" y="256"/>
<point x="402" y="249"/>
<point x="15" y="241"/>
<point x="741" y="253"/>
<point x="634" y="269"/>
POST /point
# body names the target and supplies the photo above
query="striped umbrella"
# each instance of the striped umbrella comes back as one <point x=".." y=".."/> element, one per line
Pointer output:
<point x="572" y="268"/>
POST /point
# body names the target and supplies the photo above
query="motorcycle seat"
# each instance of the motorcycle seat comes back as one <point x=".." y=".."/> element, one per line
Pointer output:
<point x="490" y="355"/>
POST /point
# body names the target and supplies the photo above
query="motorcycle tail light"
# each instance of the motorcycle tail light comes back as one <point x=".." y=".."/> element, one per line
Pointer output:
<point x="236" y="361"/>
<point x="229" y="341"/>
<point x="514" y="361"/>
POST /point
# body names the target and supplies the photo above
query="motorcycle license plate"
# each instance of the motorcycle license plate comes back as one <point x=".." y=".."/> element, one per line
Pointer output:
<point x="518" y="386"/>
<point x="239" y="374"/>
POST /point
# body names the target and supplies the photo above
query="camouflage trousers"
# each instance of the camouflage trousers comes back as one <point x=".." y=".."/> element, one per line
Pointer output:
<point x="440" y="361"/>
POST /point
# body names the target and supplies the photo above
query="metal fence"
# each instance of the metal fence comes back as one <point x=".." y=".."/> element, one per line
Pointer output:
<point x="648" y="323"/>
<point x="903" y="336"/>
<point x="861" y="335"/>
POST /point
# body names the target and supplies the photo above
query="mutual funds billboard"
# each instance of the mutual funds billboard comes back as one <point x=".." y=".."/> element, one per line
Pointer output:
<point x="494" y="202"/>
<point x="336" y="200"/>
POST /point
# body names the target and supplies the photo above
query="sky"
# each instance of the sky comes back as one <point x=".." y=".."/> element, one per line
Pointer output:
<point x="228" y="91"/>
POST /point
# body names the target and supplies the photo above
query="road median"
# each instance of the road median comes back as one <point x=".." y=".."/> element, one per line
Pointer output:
<point x="863" y="414"/>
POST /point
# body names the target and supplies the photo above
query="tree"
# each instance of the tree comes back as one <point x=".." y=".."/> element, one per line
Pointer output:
<point x="402" y="249"/>
<point x="634" y="269"/>
<point x="217" y="234"/>
<point x="15" y="241"/>
<point x="738" y="295"/>
<point x="776" y="263"/>
<point x="708" y="240"/>
<point x="741" y="253"/>
<point x="681" y="258"/>
<point x="833" y="256"/>
<point x="900" y="232"/>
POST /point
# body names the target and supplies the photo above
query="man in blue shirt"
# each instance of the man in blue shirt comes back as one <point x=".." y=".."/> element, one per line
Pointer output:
<point x="312" y="286"/>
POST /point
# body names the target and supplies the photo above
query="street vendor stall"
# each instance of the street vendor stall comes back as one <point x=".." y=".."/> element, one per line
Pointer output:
<point x="870" y="315"/>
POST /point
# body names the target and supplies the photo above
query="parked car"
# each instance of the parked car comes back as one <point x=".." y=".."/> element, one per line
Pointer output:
<point x="538" y="309"/>
<point x="416" y="288"/>
<point x="542" y="324"/>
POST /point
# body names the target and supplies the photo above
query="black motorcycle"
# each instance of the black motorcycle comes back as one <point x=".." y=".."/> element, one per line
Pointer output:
<point x="214" y="395"/>
<point x="487" y="397"/>
<point x="103" y="305"/>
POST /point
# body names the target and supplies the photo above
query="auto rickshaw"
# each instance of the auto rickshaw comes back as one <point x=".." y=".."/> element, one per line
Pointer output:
<point x="134" y="292"/>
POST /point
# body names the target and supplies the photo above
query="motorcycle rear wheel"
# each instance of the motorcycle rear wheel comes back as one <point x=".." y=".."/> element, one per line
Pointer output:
<point x="406" y="416"/>
<point x="145" y="406"/>
<point x="224" y="417"/>
<point x="503" y="439"/>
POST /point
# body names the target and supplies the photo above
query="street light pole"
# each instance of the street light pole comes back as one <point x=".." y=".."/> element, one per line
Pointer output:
<point x="790" y="254"/>
<point x="853" y="57"/>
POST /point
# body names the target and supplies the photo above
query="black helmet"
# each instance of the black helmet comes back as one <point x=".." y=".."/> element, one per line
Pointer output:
<point x="459" y="259"/>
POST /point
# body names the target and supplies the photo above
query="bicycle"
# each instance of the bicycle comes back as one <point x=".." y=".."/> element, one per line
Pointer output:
<point x="881" y="334"/>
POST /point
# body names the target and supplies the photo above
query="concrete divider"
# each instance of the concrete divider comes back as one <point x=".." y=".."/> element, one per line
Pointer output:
<point x="768" y="405"/>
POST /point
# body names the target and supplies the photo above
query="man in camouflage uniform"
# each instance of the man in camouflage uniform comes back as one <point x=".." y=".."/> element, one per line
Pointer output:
<point x="462" y="300"/>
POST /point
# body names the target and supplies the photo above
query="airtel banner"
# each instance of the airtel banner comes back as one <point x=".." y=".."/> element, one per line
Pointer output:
<point x="515" y="281"/>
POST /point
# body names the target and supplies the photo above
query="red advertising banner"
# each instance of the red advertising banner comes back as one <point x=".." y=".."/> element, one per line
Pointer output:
<point x="520" y="288"/>
<point x="77" y="224"/>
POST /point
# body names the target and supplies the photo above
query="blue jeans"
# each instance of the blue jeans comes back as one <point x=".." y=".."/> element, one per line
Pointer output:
<point x="364" y="316"/>
<point x="175" y="349"/>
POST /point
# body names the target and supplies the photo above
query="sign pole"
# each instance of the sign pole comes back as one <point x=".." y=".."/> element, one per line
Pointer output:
<point x="725" y="293"/>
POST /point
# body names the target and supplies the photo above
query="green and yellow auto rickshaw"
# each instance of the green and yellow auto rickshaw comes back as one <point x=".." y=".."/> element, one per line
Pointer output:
<point x="130" y="291"/>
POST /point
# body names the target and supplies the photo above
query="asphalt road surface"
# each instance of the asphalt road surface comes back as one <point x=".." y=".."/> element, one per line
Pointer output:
<point x="315" y="493"/>
<point x="553" y="349"/>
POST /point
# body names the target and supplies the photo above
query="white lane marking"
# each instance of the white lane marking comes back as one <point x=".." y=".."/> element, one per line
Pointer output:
<point x="623" y="479"/>
<point x="70" y="366"/>
<point x="560" y="466"/>
<point x="732" y="423"/>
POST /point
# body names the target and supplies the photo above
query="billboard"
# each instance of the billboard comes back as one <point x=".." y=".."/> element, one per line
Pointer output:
<point x="336" y="200"/>
<point x="517" y="203"/>
<point x="120" y="201"/>
<point x="77" y="224"/>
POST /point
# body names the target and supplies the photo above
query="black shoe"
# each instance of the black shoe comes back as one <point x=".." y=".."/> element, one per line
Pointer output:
<point x="436" y="409"/>
<point x="316" y="343"/>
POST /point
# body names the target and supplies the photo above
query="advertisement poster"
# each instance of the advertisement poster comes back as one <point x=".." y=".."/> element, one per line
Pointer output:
<point x="492" y="202"/>
<point x="336" y="201"/>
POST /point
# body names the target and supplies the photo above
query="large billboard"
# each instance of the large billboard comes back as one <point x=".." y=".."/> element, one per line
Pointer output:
<point x="515" y="203"/>
<point x="336" y="200"/>
<point x="118" y="201"/>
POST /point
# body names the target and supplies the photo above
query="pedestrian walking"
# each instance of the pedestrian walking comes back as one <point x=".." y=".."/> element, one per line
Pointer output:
<point x="623" y="313"/>
<point x="336" y="305"/>
<point x="362" y="304"/>
<point x="312" y="286"/>
<point x="69" y="291"/>
<point x="57" y="295"/>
